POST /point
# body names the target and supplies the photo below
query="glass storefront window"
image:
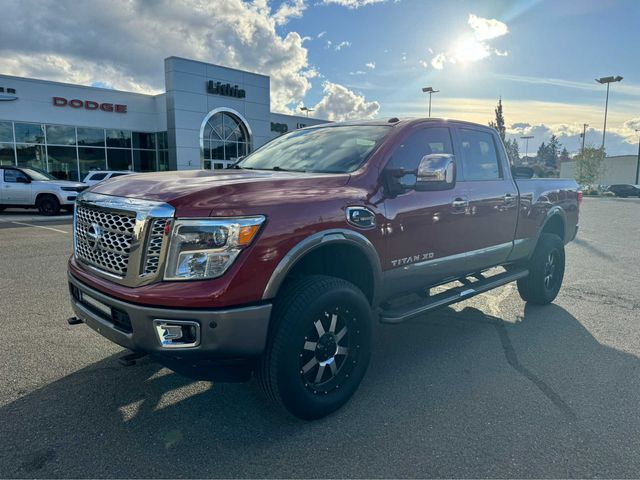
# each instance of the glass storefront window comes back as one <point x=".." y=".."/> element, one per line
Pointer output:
<point x="62" y="162"/>
<point x="29" y="133"/>
<point x="118" y="138"/>
<point x="162" y="140"/>
<point x="7" y="156"/>
<point x="6" y="132"/>
<point x="118" y="159"/>
<point x="31" y="156"/>
<point x="91" y="159"/>
<point x="144" y="161"/>
<point x="61" y="135"/>
<point x="163" y="160"/>
<point x="144" y="140"/>
<point x="91" y="137"/>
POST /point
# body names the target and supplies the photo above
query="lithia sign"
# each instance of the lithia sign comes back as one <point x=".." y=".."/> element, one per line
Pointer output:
<point x="226" y="90"/>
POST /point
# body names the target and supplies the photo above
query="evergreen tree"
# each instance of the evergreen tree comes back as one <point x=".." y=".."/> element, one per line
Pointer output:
<point x="553" y="150"/>
<point x="499" y="122"/>
<point x="564" y="155"/>
<point x="542" y="153"/>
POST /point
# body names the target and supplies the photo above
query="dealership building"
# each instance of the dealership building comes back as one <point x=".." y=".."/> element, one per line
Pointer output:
<point x="208" y="117"/>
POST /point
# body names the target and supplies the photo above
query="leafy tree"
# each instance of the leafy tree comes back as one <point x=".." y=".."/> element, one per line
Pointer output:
<point x="589" y="165"/>
<point x="499" y="122"/>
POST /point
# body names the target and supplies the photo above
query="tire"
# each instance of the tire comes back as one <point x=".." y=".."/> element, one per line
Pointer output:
<point x="546" y="271"/>
<point x="48" y="205"/>
<point x="319" y="346"/>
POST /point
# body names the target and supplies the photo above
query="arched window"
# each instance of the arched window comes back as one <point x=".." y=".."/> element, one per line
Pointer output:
<point x="225" y="137"/>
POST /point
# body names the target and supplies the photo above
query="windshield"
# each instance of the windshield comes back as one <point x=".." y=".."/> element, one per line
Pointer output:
<point x="333" y="149"/>
<point x="38" y="175"/>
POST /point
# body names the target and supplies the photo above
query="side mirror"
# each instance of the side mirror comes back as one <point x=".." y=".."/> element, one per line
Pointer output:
<point x="436" y="172"/>
<point x="522" y="172"/>
<point x="23" y="180"/>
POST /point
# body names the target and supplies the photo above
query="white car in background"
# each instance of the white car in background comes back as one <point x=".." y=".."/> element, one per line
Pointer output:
<point x="27" y="188"/>
<point x="98" y="176"/>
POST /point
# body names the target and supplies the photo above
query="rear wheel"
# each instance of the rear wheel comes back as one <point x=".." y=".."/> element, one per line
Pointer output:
<point x="546" y="271"/>
<point x="48" y="205"/>
<point x="319" y="346"/>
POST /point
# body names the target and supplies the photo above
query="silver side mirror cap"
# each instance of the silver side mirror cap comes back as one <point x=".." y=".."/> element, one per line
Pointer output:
<point x="436" y="172"/>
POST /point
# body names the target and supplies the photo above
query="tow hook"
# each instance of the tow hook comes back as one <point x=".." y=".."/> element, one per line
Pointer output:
<point x="130" y="359"/>
<point x="74" y="321"/>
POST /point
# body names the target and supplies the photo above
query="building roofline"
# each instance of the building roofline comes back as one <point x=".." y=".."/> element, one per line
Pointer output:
<point x="78" y="85"/>
<point x="216" y="65"/>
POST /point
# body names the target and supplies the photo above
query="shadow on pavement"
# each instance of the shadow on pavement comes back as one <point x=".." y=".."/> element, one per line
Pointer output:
<point x="457" y="394"/>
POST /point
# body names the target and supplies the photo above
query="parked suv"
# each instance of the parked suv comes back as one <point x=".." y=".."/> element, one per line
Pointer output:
<point x="98" y="176"/>
<point x="625" y="190"/>
<point x="281" y="265"/>
<point x="28" y="188"/>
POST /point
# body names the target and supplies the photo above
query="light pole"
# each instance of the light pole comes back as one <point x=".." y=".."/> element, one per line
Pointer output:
<point x="526" y="138"/>
<point x="584" y="134"/>
<point x="608" y="81"/>
<point x="308" y="110"/>
<point x="638" y="162"/>
<point x="430" y="91"/>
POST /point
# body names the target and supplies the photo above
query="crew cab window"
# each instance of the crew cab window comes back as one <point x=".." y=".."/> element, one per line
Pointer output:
<point x="98" y="176"/>
<point x="423" y="142"/>
<point x="11" y="176"/>
<point x="479" y="156"/>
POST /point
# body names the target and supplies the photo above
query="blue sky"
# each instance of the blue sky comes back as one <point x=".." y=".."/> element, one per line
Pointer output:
<point x="352" y="59"/>
<point x="554" y="52"/>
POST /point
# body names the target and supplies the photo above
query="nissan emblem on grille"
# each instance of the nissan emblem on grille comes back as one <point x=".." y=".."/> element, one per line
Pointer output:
<point x="94" y="234"/>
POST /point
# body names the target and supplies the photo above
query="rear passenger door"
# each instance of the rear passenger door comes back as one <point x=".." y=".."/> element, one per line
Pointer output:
<point x="489" y="196"/>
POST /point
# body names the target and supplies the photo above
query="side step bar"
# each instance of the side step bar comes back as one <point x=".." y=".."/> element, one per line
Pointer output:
<point x="453" y="295"/>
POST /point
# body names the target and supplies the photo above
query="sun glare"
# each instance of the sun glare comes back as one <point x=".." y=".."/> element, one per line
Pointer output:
<point x="468" y="49"/>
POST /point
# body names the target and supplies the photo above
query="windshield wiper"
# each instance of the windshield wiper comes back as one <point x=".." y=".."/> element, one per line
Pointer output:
<point x="280" y="169"/>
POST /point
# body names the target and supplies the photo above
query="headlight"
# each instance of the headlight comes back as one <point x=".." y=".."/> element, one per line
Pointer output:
<point x="201" y="249"/>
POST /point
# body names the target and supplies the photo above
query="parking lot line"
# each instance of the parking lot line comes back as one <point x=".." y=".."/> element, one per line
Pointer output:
<point x="40" y="226"/>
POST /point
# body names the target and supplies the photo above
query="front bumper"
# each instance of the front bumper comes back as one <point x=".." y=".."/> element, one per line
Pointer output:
<point x="224" y="333"/>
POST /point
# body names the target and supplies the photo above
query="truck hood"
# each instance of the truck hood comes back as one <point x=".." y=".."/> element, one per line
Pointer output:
<point x="60" y="183"/>
<point x="227" y="192"/>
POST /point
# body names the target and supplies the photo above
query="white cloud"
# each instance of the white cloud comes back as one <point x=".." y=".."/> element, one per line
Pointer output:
<point x="403" y="56"/>
<point x="424" y="63"/>
<point x="125" y="46"/>
<point x="438" y="61"/>
<point x="358" y="72"/>
<point x="321" y="34"/>
<point x="371" y="65"/>
<point x="487" y="28"/>
<point x="289" y="10"/>
<point x="339" y="104"/>
<point x="342" y="45"/>
<point x="352" y="4"/>
<point x="473" y="46"/>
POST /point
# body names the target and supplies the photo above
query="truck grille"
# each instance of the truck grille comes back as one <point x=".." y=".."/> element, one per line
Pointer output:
<point x="104" y="239"/>
<point x="154" y="245"/>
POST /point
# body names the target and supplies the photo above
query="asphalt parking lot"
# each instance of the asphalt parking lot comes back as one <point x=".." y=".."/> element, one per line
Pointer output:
<point x="489" y="388"/>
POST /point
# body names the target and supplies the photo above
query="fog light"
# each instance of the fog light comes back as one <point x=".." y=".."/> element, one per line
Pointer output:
<point x="177" y="333"/>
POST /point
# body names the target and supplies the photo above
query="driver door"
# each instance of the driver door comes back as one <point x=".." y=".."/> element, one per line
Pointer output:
<point x="425" y="230"/>
<point x="16" y="187"/>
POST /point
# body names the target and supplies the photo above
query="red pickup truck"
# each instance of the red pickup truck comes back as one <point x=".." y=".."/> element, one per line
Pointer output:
<point x="279" y="266"/>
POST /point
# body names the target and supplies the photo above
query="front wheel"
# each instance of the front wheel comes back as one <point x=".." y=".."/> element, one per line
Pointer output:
<point x="319" y="346"/>
<point x="48" y="205"/>
<point x="546" y="271"/>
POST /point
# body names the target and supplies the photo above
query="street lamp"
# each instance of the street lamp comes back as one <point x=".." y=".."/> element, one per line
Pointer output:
<point x="308" y="110"/>
<point x="526" y="138"/>
<point x="584" y="134"/>
<point x="430" y="91"/>
<point x="608" y="81"/>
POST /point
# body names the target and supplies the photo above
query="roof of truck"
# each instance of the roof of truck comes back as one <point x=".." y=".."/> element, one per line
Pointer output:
<point x="398" y="122"/>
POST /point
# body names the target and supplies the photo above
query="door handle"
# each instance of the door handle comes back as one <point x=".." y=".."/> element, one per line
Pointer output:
<point x="508" y="198"/>
<point x="460" y="203"/>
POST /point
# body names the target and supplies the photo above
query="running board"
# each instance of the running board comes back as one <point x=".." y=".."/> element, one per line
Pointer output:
<point x="453" y="295"/>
